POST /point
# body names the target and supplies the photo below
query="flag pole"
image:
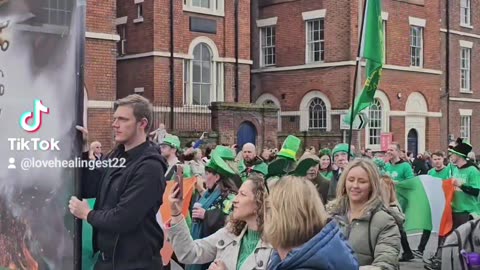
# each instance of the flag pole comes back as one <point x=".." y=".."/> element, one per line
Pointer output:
<point x="357" y="66"/>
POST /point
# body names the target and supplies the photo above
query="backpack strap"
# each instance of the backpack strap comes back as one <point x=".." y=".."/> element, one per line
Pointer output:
<point x="460" y="245"/>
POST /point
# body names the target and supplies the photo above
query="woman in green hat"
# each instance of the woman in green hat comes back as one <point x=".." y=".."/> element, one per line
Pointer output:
<point x="326" y="163"/>
<point x="209" y="213"/>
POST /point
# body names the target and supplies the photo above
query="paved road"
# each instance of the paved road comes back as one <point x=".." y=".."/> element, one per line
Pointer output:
<point x="417" y="264"/>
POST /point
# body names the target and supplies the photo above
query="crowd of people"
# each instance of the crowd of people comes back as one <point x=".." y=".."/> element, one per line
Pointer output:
<point x="258" y="209"/>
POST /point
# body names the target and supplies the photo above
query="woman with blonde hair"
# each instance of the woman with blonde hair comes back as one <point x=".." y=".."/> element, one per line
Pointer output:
<point x="298" y="228"/>
<point x="239" y="245"/>
<point x="360" y="210"/>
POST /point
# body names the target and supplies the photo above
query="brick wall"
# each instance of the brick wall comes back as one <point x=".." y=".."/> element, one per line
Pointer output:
<point x="341" y="41"/>
<point x="454" y="75"/>
<point x="101" y="69"/>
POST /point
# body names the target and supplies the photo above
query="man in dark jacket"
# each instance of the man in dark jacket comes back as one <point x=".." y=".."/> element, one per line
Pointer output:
<point x="125" y="230"/>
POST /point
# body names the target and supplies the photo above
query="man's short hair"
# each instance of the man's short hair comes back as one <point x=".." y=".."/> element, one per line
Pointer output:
<point x="438" y="154"/>
<point x="142" y="108"/>
<point x="396" y="145"/>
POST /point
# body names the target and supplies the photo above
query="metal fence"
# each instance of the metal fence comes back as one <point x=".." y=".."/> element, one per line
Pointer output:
<point x="185" y="118"/>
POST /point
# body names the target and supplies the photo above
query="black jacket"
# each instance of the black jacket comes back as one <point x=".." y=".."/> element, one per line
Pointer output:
<point x="124" y="221"/>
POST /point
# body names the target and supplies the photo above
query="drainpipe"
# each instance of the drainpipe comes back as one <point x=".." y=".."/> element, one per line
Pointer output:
<point x="172" y="69"/>
<point x="447" y="65"/>
<point x="236" y="52"/>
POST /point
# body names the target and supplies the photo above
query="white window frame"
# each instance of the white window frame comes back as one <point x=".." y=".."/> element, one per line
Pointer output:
<point x="305" y="112"/>
<point x="384" y="26"/>
<point x="380" y="128"/>
<point x="217" y="73"/>
<point x="466" y="19"/>
<point x="321" y="127"/>
<point x="262" y="31"/>
<point x="308" y="17"/>
<point x="308" y="53"/>
<point x="139" y="8"/>
<point x="385" y="103"/>
<point x="421" y="46"/>
<point x="467" y="69"/>
<point x="466" y="124"/>
<point x="217" y="7"/>
<point x="57" y="11"/>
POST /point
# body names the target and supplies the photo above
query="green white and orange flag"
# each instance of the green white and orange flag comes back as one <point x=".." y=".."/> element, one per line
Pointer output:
<point x="426" y="202"/>
<point x="372" y="50"/>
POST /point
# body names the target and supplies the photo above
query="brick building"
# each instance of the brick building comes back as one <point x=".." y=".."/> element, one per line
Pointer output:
<point x="304" y="62"/>
<point x="461" y="53"/>
<point x="204" y="56"/>
<point x="100" y="69"/>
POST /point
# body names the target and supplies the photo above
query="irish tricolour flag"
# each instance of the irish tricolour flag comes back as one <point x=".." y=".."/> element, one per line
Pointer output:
<point x="426" y="202"/>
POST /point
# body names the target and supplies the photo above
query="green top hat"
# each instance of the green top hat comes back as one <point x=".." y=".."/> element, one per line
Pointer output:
<point x="325" y="152"/>
<point x="290" y="148"/>
<point x="341" y="148"/>
<point x="218" y="165"/>
<point x="224" y="152"/>
<point x="172" y="141"/>
<point x="307" y="161"/>
<point x="461" y="149"/>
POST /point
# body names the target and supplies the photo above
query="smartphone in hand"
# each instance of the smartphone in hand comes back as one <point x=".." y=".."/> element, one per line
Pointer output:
<point x="179" y="180"/>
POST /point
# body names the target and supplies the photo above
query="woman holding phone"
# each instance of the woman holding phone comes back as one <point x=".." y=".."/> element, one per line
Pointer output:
<point x="239" y="245"/>
<point x="209" y="213"/>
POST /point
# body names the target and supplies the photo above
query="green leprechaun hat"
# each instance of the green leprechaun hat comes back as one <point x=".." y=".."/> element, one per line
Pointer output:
<point x="325" y="152"/>
<point x="461" y="149"/>
<point x="172" y="141"/>
<point x="307" y="161"/>
<point x="226" y="153"/>
<point x="286" y="157"/>
<point x="341" y="148"/>
<point x="290" y="147"/>
<point x="218" y="165"/>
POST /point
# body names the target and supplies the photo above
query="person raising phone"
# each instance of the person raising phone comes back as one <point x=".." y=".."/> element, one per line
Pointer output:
<point x="211" y="210"/>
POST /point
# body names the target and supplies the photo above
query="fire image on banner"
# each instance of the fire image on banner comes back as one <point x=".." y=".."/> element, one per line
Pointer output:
<point x="41" y="52"/>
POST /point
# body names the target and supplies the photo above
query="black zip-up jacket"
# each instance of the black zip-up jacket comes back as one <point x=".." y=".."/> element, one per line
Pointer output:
<point x="124" y="221"/>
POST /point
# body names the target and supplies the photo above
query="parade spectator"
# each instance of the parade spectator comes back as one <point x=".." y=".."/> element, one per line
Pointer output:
<point x="313" y="174"/>
<point x="419" y="165"/>
<point x="238" y="245"/>
<point x="206" y="154"/>
<point x="467" y="177"/>
<point x="298" y="227"/>
<point x="365" y="220"/>
<point x="169" y="150"/>
<point x="196" y="164"/>
<point x="209" y="213"/>
<point x="397" y="168"/>
<point x="268" y="155"/>
<point x="340" y="156"/>
<point x="95" y="152"/>
<point x="251" y="163"/>
<point x="472" y="158"/>
<point x="159" y="134"/>
<point x="125" y="230"/>
<point x="326" y="163"/>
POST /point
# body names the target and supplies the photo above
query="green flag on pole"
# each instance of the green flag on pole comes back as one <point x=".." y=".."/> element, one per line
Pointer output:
<point x="372" y="49"/>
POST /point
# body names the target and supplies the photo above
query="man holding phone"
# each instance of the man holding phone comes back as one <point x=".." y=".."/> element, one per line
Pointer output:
<point x="125" y="230"/>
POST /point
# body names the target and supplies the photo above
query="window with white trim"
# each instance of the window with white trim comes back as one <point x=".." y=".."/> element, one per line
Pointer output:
<point x="267" y="45"/>
<point x="213" y="7"/>
<point x="202" y="77"/>
<point x="315" y="40"/>
<point x="465" y="12"/>
<point x="57" y="12"/>
<point x="375" y="116"/>
<point x="317" y="112"/>
<point x="384" y="26"/>
<point x="416" y="46"/>
<point x="139" y="10"/>
<point x="465" y="126"/>
<point x="465" y="69"/>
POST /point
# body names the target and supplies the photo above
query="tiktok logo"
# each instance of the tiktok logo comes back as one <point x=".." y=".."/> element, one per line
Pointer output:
<point x="36" y="115"/>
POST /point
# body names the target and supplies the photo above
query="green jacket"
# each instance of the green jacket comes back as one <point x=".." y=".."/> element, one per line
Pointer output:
<point x="384" y="238"/>
<point x="258" y="167"/>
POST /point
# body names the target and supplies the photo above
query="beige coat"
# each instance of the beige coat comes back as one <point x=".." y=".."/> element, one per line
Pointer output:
<point x="221" y="245"/>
